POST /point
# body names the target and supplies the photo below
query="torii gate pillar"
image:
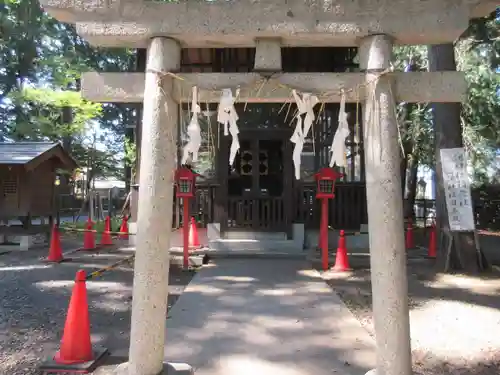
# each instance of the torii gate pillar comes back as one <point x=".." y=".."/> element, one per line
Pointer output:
<point x="158" y="153"/>
<point x="385" y="212"/>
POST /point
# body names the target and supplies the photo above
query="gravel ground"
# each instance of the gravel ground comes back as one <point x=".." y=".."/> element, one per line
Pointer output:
<point x="455" y="319"/>
<point x="34" y="299"/>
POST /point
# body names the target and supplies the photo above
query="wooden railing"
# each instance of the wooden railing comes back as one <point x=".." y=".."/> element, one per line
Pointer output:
<point x="346" y="211"/>
<point x="202" y="206"/>
<point x="265" y="213"/>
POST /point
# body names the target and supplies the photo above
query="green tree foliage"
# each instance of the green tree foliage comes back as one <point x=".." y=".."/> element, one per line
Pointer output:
<point x="96" y="162"/>
<point x="42" y="61"/>
<point x="131" y="154"/>
<point x="485" y="32"/>
<point x="415" y="119"/>
<point x="468" y="125"/>
<point x="481" y="110"/>
<point x="415" y="126"/>
<point x="477" y="56"/>
<point x="43" y="110"/>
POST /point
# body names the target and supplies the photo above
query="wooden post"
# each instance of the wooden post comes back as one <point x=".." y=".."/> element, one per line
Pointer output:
<point x="324" y="233"/>
<point x="185" y="233"/>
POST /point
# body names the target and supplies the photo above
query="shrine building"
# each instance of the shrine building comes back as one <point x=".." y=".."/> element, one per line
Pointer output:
<point x="256" y="203"/>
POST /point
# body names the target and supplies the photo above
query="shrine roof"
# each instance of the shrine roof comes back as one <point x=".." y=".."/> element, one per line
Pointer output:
<point x="24" y="153"/>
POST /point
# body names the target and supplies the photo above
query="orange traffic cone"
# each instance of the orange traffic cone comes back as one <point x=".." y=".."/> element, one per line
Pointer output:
<point x="194" y="241"/>
<point x="124" y="229"/>
<point x="106" y="235"/>
<point x="341" y="259"/>
<point x="55" y="251"/>
<point x="88" y="236"/>
<point x="410" y="243"/>
<point x="76" y="354"/>
<point x="431" y="252"/>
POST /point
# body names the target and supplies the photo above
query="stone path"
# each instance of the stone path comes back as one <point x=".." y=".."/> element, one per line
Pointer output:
<point x="258" y="316"/>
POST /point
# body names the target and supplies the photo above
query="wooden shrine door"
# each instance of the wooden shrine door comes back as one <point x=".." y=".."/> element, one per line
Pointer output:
<point x="257" y="188"/>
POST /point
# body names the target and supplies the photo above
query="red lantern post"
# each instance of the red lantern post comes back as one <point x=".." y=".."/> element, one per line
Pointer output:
<point x="185" y="180"/>
<point x="325" y="190"/>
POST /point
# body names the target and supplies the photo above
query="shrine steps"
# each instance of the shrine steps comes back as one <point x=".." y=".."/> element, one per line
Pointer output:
<point x="255" y="235"/>
<point x="267" y="246"/>
<point x="255" y="242"/>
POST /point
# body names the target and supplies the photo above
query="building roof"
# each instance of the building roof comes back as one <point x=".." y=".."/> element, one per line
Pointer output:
<point x="23" y="153"/>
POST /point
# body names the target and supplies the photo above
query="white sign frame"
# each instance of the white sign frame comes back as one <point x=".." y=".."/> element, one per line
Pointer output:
<point x="457" y="189"/>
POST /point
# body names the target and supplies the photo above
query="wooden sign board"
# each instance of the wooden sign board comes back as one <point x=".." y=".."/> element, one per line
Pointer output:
<point x="457" y="189"/>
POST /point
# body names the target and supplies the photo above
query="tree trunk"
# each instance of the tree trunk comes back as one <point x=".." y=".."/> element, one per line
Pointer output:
<point x="403" y="168"/>
<point x="141" y="67"/>
<point x="67" y="141"/>
<point x="411" y="187"/>
<point x="464" y="255"/>
<point x="129" y="136"/>
<point x="408" y="149"/>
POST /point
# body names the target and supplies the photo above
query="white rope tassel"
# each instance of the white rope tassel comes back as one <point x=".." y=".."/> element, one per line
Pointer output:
<point x="227" y="116"/>
<point x="193" y="131"/>
<point x="338" y="143"/>
<point x="298" y="134"/>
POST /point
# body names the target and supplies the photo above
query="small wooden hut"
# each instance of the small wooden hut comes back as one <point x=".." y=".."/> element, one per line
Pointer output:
<point x="28" y="173"/>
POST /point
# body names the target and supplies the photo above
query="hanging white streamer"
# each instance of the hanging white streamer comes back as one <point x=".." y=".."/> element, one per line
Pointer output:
<point x="227" y="116"/>
<point x="338" y="144"/>
<point x="310" y="101"/>
<point x="305" y="105"/>
<point x="193" y="131"/>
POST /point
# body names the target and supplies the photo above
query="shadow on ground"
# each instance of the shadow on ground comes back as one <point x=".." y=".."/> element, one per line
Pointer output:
<point x="34" y="299"/>
<point x="266" y="316"/>
<point x="455" y="319"/>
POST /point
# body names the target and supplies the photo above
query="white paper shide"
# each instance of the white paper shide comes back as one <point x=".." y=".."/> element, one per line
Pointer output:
<point x="338" y="148"/>
<point x="227" y="116"/>
<point x="305" y="106"/>
<point x="457" y="189"/>
<point x="192" y="147"/>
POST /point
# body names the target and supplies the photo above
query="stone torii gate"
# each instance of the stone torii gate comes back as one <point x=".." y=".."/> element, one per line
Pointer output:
<point x="374" y="26"/>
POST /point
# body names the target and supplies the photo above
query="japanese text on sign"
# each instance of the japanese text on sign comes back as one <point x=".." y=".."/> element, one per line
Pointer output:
<point x="457" y="189"/>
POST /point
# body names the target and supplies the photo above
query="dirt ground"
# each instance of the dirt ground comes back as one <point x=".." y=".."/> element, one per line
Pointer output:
<point x="34" y="298"/>
<point x="455" y="319"/>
